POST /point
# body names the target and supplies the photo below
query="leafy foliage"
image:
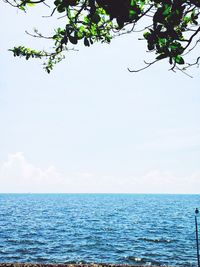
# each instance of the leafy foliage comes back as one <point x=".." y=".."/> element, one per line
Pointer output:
<point x="171" y="27"/>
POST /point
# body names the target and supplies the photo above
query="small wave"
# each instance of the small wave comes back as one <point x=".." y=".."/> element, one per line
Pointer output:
<point x="142" y="261"/>
<point x="156" y="240"/>
<point x="76" y="262"/>
<point x="137" y="259"/>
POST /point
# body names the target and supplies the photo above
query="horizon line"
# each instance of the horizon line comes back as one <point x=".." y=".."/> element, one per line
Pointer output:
<point x="94" y="193"/>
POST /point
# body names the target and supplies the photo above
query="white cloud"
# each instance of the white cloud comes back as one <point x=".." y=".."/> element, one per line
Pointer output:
<point x="18" y="175"/>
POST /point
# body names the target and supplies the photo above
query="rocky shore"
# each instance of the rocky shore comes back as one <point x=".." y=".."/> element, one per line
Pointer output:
<point x="66" y="265"/>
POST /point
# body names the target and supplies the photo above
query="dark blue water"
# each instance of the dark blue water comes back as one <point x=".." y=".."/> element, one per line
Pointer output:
<point x="131" y="229"/>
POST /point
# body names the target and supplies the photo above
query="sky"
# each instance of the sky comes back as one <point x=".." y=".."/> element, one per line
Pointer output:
<point x="91" y="126"/>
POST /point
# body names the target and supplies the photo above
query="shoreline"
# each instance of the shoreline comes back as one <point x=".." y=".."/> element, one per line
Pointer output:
<point x="17" y="264"/>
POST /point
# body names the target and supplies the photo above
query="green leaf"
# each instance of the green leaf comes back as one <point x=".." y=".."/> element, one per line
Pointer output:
<point x="132" y="3"/>
<point x="146" y="35"/>
<point x="86" y="42"/>
<point x="30" y="4"/>
<point x="161" y="56"/>
<point x="22" y="8"/>
<point x="179" y="60"/>
<point x="132" y="13"/>
<point x="96" y="18"/>
<point x="61" y="8"/>
<point x="57" y="2"/>
<point x="73" y="39"/>
<point x="167" y="10"/>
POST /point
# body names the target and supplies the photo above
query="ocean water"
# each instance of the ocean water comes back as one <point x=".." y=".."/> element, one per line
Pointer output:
<point x="98" y="228"/>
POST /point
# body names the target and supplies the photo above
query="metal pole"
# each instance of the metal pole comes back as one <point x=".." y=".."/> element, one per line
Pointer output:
<point x="197" y="239"/>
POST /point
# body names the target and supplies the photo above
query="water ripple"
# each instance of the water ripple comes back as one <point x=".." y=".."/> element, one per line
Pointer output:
<point x="133" y="229"/>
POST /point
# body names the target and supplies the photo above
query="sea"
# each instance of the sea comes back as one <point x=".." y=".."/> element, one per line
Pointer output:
<point x="136" y="229"/>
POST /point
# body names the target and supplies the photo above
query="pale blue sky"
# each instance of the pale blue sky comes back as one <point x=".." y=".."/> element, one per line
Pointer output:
<point x="91" y="126"/>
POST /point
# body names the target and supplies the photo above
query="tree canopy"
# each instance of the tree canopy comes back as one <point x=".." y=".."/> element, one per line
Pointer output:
<point x="170" y="28"/>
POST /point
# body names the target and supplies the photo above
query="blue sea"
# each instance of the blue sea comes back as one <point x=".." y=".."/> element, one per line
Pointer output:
<point x="98" y="228"/>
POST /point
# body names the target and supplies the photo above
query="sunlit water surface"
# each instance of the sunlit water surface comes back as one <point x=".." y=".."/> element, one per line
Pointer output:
<point x="92" y="228"/>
